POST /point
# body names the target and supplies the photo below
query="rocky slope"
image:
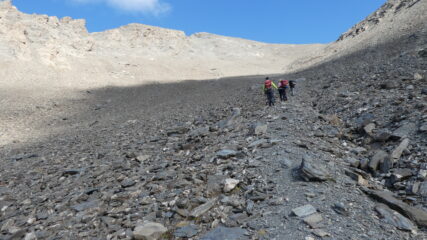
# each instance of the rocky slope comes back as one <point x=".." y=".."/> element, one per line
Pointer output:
<point x="343" y="159"/>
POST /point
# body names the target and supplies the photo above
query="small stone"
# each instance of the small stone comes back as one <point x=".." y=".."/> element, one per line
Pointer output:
<point x="378" y="158"/>
<point x="230" y="184"/>
<point x="397" y="152"/>
<point x="304" y="211"/>
<point x="258" y="129"/>
<point x="353" y="162"/>
<point x="312" y="220"/>
<point x="418" y="76"/>
<point x="127" y="183"/>
<point x="321" y="233"/>
<point x="382" y="136"/>
<point x="364" y="163"/>
<point x="340" y="208"/>
<point x="357" y="177"/>
<point x="369" y="128"/>
<point x="149" y="231"/>
<point x="226" y="153"/>
<point x="311" y="171"/>
<point x="400" y="174"/>
<point x="186" y="231"/>
<point x="200" y="210"/>
<point x="422" y="174"/>
<point x="30" y="236"/>
<point x="143" y="158"/>
<point x="423" y="189"/>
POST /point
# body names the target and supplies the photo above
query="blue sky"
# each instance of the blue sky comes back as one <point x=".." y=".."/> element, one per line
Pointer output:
<point x="272" y="21"/>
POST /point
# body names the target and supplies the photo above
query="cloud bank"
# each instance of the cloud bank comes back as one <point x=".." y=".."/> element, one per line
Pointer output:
<point x="155" y="7"/>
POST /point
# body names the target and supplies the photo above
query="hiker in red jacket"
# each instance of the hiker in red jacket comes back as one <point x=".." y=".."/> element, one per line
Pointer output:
<point x="283" y="85"/>
<point x="268" y="91"/>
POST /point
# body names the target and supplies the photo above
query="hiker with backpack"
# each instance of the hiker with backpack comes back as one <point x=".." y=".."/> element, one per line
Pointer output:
<point x="268" y="91"/>
<point x="283" y="85"/>
<point x="292" y="86"/>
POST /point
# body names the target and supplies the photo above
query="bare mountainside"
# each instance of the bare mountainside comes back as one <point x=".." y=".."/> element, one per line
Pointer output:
<point x="392" y="21"/>
<point x="136" y="53"/>
<point x="60" y="53"/>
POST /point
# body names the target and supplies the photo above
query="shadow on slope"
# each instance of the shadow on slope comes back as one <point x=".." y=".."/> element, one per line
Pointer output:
<point x="141" y="112"/>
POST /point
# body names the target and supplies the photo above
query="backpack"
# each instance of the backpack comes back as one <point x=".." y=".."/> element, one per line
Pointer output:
<point x="284" y="83"/>
<point x="267" y="84"/>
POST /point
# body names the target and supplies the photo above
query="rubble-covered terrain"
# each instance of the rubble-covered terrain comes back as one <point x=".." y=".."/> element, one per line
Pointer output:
<point x="345" y="158"/>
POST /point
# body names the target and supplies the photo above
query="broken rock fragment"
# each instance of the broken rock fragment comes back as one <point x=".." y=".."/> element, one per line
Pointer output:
<point x="304" y="211"/>
<point x="394" y="218"/>
<point x="230" y="184"/>
<point x="149" y="231"/>
<point x="226" y="153"/>
<point x="417" y="215"/>
<point x="200" y="210"/>
<point x="312" y="171"/>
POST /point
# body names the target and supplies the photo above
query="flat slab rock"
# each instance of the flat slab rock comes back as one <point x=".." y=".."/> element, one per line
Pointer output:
<point x="304" y="211"/>
<point x="226" y="153"/>
<point x="394" y="218"/>
<point x="419" y="216"/>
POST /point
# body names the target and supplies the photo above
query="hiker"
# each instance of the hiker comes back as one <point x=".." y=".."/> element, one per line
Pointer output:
<point x="268" y="91"/>
<point x="292" y="86"/>
<point x="283" y="85"/>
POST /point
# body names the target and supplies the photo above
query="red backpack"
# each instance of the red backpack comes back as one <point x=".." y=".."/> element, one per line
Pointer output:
<point x="284" y="83"/>
<point x="267" y="84"/>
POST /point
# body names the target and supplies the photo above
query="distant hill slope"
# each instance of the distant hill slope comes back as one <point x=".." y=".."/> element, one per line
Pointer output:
<point x="39" y="51"/>
<point x="395" y="20"/>
<point x="54" y="49"/>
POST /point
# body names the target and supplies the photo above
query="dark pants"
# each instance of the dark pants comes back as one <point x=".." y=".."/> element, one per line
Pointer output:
<point x="292" y="91"/>
<point x="270" y="96"/>
<point x="282" y="93"/>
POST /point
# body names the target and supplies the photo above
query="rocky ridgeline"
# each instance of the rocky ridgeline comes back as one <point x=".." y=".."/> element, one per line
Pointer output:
<point x="134" y="53"/>
<point x="389" y="9"/>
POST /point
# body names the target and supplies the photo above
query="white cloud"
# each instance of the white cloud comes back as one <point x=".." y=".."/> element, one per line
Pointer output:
<point x="155" y="7"/>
